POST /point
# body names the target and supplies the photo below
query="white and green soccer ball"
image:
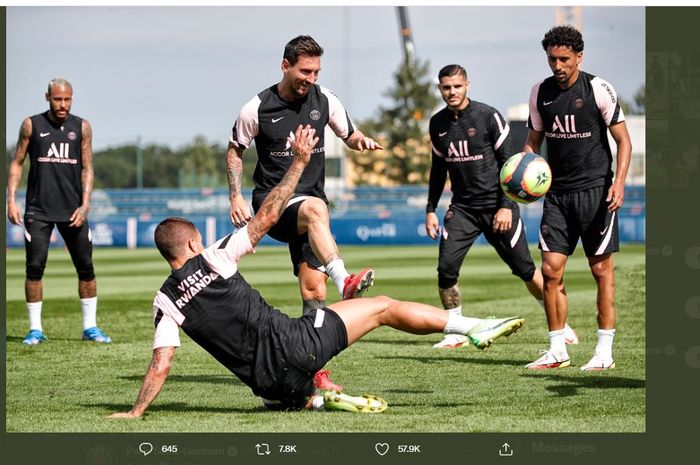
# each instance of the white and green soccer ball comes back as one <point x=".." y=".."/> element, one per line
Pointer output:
<point x="525" y="177"/>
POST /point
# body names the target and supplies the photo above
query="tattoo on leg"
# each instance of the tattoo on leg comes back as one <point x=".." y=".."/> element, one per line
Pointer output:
<point x="451" y="297"/>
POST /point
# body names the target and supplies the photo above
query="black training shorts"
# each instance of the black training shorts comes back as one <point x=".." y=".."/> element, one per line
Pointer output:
<point x="461" y="227"/>
<point x="581" y="214"/>
<point x="298" y="348"/>
<point x="37" y="236"/>
<point x="286" y="231"/>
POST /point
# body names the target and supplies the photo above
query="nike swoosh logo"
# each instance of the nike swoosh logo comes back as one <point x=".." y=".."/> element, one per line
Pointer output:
<point x="274" y="120"/>
<point x="44" y="134"/>
<point x="547" y="103"/>
<point x="442" y="134"/>
<point x="602" y="233"/>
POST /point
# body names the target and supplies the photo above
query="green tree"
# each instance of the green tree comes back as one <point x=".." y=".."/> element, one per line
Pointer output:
<point x="204" y="164"/>
<point x="161" y="166"/>
<point x="402" y="130"/>
<point x="115" y="167"/>
<point x="640" y="99"/>
<point x="637" y="105"/>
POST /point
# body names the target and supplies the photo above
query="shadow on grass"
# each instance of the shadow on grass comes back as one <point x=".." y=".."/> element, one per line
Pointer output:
<point x="569" y="385"/>
<point x="457" y="359"/>
<point x="49" y="340"/>
<point x="432" y="405"/>
<point x="209" y="379"/>
<point x="409" y="391"/>
<point x="176" y="407"/>
<point x="416" y="342"/>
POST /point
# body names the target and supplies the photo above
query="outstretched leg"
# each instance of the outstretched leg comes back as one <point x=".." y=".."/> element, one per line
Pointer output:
<point x="363" y="315"/>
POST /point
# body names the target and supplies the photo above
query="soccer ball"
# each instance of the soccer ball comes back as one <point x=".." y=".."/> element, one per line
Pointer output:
<point x="525" y="177"/>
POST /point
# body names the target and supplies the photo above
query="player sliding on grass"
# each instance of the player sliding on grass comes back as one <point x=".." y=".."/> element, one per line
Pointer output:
<point x="275" y="355"/>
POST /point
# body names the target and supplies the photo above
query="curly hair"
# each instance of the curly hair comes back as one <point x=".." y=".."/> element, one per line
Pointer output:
<point x="563" y="36"/>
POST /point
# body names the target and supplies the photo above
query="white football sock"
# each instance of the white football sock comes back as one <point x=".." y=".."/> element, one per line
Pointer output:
<point x="337" y="272"/>
<point x="458" y="324"/>
<point x="557" y="343"/>
<point x="317" y="403"/>
<point x="457" y="310"/>
<point x="605" y="341"/>
<point x="89" y="308"/>
<point x="34" y="311"/>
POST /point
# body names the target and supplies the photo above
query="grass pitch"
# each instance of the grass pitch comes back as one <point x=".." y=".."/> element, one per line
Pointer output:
<point x="66" y="385"/>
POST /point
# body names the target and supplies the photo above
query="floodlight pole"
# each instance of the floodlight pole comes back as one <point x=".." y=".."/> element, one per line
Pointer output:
<point x="409" y="48"/>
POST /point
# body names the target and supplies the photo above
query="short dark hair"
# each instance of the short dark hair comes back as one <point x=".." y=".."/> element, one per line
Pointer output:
<point x="563" y="36"/>
<point x="452" y="70"/>
<point x="301" y="45"/>
<point x="172" y="234"/>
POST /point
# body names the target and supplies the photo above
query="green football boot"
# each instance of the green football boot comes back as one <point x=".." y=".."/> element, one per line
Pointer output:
<point x="365" y="404"/>
<point x="490" y="329"/>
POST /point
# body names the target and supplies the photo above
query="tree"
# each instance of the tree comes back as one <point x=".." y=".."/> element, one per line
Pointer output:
<point x="640" y="99"/>
<point x="637" y="105"/>
<point x="402" y="130"/>
<point x="204" y="164"/>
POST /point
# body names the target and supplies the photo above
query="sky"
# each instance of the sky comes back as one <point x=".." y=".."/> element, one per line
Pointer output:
<point x="169" y="73"/>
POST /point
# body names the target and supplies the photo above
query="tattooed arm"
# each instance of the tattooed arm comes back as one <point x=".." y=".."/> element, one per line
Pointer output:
<point x="152" y="383"/>
<point x="276" y="201"/>
<point x="14" y="171"/>
<point x="240" y="214"/>
<point x="87" y="177"/>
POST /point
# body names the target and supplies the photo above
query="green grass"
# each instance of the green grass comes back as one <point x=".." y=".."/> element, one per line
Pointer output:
<point x="69" y="385"/>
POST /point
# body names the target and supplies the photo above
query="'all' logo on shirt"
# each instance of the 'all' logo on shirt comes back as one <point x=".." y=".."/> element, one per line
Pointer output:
<point x="59" y="152"/>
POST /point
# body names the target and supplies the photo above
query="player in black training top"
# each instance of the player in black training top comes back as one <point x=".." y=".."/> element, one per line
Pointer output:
<point x="276" y="356"/>
<point x="574" y="111"/>
<point x="269" y="119"/>
<point x="471" y="141"/>
<point x="59" y="146"/>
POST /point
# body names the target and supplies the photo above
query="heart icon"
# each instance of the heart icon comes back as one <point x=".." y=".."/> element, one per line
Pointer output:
<point x="381" y="448"/>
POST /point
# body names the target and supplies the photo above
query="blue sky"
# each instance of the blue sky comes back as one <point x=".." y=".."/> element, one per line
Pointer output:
<point x="170" y="73"/>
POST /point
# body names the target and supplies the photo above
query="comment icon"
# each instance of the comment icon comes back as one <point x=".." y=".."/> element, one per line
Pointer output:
<point x="146" y="448"/>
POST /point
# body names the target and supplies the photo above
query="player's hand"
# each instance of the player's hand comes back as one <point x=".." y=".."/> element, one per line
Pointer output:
<point x="616" y="196"/>
<point x="240" y="213"/>
<point x="503" y="220"/>
<point x="432" y="227"/>
<point x="79" y="217"/>
<point x="304" y="142"/>
<point x="124" y="415"/>
<point x="13" y="213"/>
<point x="367" y="143"/>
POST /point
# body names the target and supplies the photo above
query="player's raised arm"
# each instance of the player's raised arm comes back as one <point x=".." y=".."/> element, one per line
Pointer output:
<point x="14" y="171"/>
<point x="152" y="383"/>
<point x="305" y="140"/>
<point x="240" y="214"/>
